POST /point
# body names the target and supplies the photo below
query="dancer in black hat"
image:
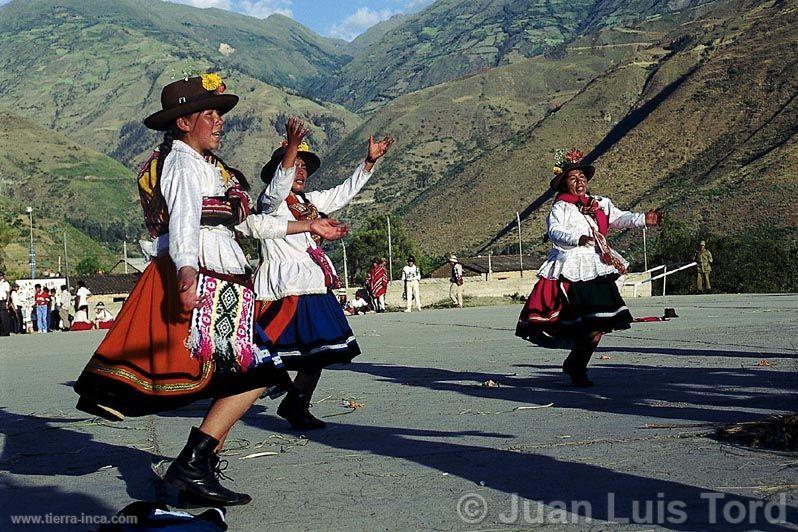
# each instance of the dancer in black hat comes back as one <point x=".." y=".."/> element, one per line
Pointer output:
<point x="576" y="300"/>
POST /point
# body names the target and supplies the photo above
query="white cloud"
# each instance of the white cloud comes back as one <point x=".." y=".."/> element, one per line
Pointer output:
<point x="264" y="8"/>
<point x="221" y="4"/>
<point x="358" y="22"/>
<point x="253" y="8"/>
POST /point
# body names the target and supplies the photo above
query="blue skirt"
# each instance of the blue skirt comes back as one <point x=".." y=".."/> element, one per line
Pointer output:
<point x="307" y="332"/>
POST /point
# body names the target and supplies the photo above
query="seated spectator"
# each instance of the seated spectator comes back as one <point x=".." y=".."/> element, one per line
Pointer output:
<point x="103" y="319"/>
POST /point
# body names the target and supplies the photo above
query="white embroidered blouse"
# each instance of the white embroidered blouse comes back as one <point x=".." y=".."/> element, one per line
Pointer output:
<point x="186" y="178"/>
<point x="572" y="261"/>
<point x="287" y="268"/>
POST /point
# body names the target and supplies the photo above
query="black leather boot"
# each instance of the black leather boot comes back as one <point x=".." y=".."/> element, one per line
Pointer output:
<point x="194" y="472"/>
<point x="295" y="408"/>
<point x="578" y="374"/>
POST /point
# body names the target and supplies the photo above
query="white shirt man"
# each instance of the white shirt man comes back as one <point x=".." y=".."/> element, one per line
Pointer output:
<point x="411" y="275"/>
<point x="5" y="289"/>
<point x="360" y="305"/>
<point x="82" y="296"/>
<point x="5" y="317"/>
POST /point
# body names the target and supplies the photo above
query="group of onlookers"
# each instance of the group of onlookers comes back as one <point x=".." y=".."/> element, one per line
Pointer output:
<point x="47" y="309"/>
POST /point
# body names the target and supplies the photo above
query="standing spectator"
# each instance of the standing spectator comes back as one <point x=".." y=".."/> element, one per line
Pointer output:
<point x="377" y="283"/>
<point x="41" y="300"/>
<point x="64" y="302"/>
<point x="411" y="276"/>
<point x="456" y="280"/>
<point x="54" y="315"/>
<point x="82" y="303"/>
<point x="5" y="302"/>
<point x="16" y="310"/>
<point x="704" y="259"/>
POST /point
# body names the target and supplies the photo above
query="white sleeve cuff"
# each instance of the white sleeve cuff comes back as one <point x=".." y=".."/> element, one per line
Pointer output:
<point x="185" y="260"/>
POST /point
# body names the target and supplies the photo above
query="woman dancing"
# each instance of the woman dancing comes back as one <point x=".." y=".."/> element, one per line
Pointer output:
<point x="185" y="331"/>
<point x="576" y="300"/>
<point x="299" y="317"/>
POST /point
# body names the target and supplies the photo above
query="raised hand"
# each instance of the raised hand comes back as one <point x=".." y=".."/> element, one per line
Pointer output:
<point x="377" y="149"/>
<point x="654" y="217"/>
<point x="329" y="229"/>
<point x="295" y="131"/>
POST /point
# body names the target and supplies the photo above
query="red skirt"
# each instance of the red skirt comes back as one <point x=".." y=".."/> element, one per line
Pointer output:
<point x="143" y="364"/>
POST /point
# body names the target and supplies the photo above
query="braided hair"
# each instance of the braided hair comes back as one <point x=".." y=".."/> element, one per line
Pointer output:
<point x="169" y="136"/>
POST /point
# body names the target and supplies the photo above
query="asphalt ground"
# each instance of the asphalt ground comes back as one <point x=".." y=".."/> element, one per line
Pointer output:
<point x="431" y="447"/>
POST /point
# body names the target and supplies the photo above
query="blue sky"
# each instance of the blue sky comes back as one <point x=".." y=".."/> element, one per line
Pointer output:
<point x="344" y="19"/>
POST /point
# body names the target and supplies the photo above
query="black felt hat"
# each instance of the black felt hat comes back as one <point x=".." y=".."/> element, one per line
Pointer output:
<point x="565" y="162"/>
<point x="312" y="161"/>
<point x="190" y="95"/>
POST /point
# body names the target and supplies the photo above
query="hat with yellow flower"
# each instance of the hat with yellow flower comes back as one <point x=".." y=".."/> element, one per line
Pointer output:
<point x="564" y="162"/>
<point x="190" y="95"/>
<point x="312" y="161"/>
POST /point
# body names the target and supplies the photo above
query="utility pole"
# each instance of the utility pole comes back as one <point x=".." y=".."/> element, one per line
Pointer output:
<point x="520" y="250"/>
<point x="645" y="252"/>
<point x="390" y="251"/>
<point x="31" y="253"/>
<point x="346" y="270"/>
<point x="124" y="251"/>
<point x="66" y="261"/>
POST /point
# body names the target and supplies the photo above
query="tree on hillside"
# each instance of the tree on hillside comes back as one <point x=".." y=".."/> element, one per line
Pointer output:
<point x="371" y="241"/>
<point x="6" y="235"/>
<point x="88" y="266"/>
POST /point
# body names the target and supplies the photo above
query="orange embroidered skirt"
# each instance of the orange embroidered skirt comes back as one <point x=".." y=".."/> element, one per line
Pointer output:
<point x="144" y="366"/>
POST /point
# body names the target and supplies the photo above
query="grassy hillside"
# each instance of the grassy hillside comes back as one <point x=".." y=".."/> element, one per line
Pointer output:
<point x="276" y="50"/>
<point x="454" y="38"/>
<point x="94" y="74"/>
<point x="71" y="189"/>
<point x="708" y="132"/>
<point x="441" y="129"/>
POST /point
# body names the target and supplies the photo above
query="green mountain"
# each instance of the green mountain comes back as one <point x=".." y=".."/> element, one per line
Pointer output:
<point x="277" y="50"/>
<point x="374" y="34"/>
<point x="454" y="38"/>
<point x="93" y="70"/>
<point x="71" y="189"/>
<point x="689" y="105"/>
<point x="707" y="130"/>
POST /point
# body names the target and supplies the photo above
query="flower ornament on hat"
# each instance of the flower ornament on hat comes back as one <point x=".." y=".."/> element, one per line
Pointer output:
<point x="567" y="161"/>
<point x="213" y="82"/>
<point x="191" y="95"/>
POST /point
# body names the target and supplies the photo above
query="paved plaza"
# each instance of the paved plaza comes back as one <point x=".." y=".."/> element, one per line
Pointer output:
<point x="432" y="448"/>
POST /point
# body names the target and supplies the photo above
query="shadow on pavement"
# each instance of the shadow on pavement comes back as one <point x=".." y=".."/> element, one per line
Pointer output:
<point x="42" y="446"/>
<point x="695" y="352"/>
<point x="696" y="394"/>
<point x="550" y="481"/>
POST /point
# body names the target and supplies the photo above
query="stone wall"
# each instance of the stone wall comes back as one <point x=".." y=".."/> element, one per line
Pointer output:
<point x="435" y="290"/>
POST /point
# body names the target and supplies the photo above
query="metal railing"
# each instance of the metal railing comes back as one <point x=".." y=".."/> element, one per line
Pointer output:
<point x="664" y="276"/>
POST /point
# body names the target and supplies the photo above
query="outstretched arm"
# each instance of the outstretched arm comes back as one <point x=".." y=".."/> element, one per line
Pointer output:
<point x="266" y="227"/>
<point x="627" y="220"/>
<point x="338" y="197"/>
